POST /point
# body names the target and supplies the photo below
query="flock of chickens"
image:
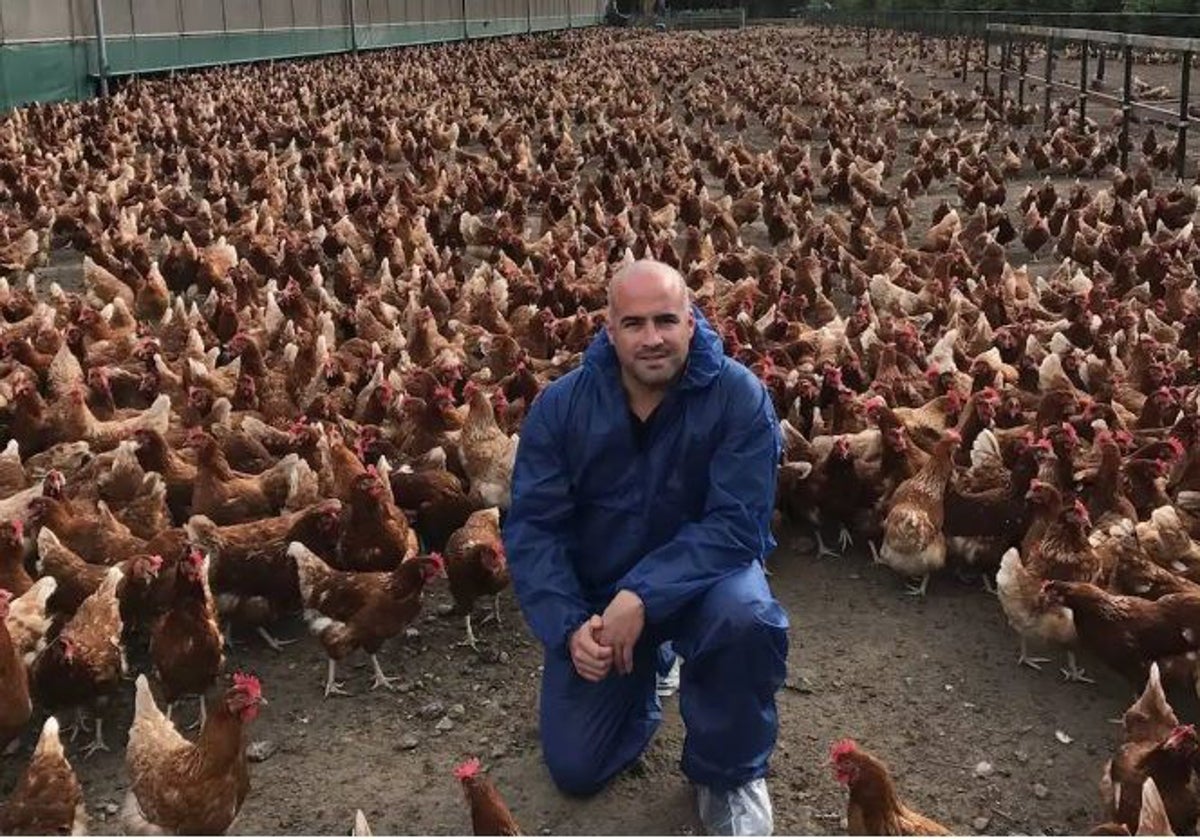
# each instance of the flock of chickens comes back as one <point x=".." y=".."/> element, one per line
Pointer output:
<point x="313" y="314"/>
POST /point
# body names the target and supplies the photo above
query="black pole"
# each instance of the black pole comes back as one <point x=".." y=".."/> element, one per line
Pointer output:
<point x="1126" y="106"/>
<point x="1049" y="78"/>
<point x="986" y="58"/>
<point x="1005" y="47"/>
<point x="1021" y="78"/>
<point x="101" y="48"/>
<point x="1083" y="86"/>
<point x="1185" y="84"/>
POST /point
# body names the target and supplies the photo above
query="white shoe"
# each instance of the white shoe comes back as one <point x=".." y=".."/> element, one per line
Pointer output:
<point x="741" y="812"/>
<point x="668" y="685"/>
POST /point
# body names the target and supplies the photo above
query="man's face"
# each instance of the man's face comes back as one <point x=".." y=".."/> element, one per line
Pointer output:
<point x="650" y="324"/>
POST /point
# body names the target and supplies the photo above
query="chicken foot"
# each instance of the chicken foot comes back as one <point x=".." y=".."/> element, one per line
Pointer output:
<point x="96" y="743"/>
<point x="823" y="549"/>
<point x="80" y="725"/>
<point x="1034" y="662"/>
<point x="470" y="641"/>
<point x="382" y="679"/>
<point x="845" y="539"/>
<point x="494" y="615"/>
<point x="1074" y="673"/>
<point x="917" y="590"/>
<point x="273" y="643"/>
<point x="332" y="687"/>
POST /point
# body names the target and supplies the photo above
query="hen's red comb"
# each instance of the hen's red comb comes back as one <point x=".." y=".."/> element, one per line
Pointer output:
<point x="248" y="683"/>
<point x="469" y="769"/>
<point x="842" y="747"/>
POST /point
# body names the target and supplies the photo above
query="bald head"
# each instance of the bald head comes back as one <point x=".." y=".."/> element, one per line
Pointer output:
<point x="650" y="323"/>
<point x="644" y="274"/>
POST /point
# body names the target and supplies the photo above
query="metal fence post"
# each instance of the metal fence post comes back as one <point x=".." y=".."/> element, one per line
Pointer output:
<point x="1126" y="106"/>
<point x="1100" y="63"/>
<point x="987" y="44"/>
<point x="570" y="16"/>
<point x="1021" y="78"/>
<point x="966" y="46"/>
<point x="529" y="17"/>
<point x="101" y="48"/>
<point x="353" y="29"/>
<point x="225" y="27"/>
<point x="1185" y="84"/>
<point x="1083" y="86"/>
<point x="1005" y="48"/>
<point x="1049" y="80"/>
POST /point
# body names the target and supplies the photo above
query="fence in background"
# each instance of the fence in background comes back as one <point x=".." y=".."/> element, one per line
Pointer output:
<point x="975" y="24"/>
<point x="1012" y="40"/>
<point x="712" y="18"/>
<point x="48" y="48"/>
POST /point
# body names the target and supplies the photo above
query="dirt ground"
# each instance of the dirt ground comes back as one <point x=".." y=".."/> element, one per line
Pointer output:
<point x="931" y="686"/>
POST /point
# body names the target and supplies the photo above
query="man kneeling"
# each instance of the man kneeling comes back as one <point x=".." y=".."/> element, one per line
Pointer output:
<point x="641" y="505"/>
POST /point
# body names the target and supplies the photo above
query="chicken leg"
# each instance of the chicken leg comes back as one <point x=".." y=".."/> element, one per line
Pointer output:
<point x="1032" y="661"/>
<point x="845" y="539"/>
<point x="470" y="641"/>
<point x="823" y="549"/>
<point x="80" y="725"/>
<point x="274" y="644"/>
<point x="96" y="743"/>
<point x="332" y="687"/>
<point x="382" y="679"/>
<point x="199" y="723"/>
<point x="917" y="590"/>
<point x="1074" y="673"/>
<point x="494" y="615"/>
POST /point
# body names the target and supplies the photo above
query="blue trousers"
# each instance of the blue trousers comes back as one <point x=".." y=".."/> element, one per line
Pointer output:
<point x="734" y="643"/>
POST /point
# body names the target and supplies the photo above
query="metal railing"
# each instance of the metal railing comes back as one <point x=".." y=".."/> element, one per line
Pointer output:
<point x="1009" y="37"/>
<point x="707" y="19"/>
<point x="975" y="23"/>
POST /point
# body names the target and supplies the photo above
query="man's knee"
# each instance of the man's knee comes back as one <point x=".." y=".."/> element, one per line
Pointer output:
<point x="740" y="609"/>
<point x="577" y="772"/>
<point x="591" y="731"/>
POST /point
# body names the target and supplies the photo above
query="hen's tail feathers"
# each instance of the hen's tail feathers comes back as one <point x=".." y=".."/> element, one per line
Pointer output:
<point x="985" y="449"/>
<point x="144" y="707"/>
<point x="1010" y="568"/>
<point x="1153" y="821"/>
<point x="158" y="415"/>
<point x="49" y="745"/>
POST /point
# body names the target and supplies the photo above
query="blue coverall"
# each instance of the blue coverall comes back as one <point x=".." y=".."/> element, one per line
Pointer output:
<point x="679" y="514"/>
